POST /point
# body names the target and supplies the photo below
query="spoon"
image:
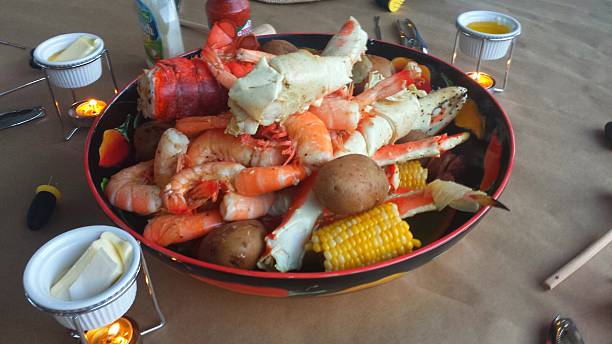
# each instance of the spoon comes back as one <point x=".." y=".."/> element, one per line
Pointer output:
<point x="563" y="331"/>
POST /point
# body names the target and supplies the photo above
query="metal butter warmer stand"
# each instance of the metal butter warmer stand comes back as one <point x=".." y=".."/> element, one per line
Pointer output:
<point x="481" y="51"/>
<point x="68" y="134"/>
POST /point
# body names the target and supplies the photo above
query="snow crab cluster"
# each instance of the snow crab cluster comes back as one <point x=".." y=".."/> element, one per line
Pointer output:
<point x="281" y="118"/>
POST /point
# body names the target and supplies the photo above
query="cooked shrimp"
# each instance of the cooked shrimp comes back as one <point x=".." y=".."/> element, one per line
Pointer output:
<point x="383" y="89"/>
<point x="215" y="145"/>
<point x="312" y="140"/>
<point x="172" y="145"/>
<point x="172" y="229"/>
<point x="128" y="189"/>
<point x="344" y="113"/>
<point x="338" y="113"/>
<point x="256" y="181"/>
<point x="236" y="207"/>
<point x="192" y="187"/>
<point x="195" y="125"/>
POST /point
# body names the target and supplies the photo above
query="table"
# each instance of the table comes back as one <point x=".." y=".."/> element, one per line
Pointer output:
<point x="486" y="289"/>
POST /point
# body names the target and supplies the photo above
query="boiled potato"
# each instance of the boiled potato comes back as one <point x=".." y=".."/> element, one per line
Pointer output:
<point x="381" y="64"/>
<point x="351" y="184"/>
<point x="146" y="138"/>
<point x="278" y="47"/>
<point x="237" y="244"/>
<point x="370" y="63"/>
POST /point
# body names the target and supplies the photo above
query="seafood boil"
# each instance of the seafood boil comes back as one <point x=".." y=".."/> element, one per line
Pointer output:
<point x="267" y="156"/>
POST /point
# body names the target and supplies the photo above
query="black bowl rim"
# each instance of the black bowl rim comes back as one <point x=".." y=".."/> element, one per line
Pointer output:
<point x="303" y="275"/>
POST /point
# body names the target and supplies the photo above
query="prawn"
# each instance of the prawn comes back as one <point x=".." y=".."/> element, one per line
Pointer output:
<point x="192" y="187"/>
<point x="311" y="138"/>
<point x="129" y="190"/>
<point x="344" y="113"/>
<point x="172" y="229"/>
<point x="171" y="147"/>
<point x="236" y="207"/>
<point x="215" y="145"/>
<point x="256" y="181"/>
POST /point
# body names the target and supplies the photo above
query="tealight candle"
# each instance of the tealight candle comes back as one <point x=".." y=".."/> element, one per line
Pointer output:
<point x="483" y="79"/>
<point x="122" y="331"/>
<point x="91" y="107"/>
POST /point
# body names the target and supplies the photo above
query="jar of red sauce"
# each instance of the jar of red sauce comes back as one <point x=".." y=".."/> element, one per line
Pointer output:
<point x="236" y="11"/>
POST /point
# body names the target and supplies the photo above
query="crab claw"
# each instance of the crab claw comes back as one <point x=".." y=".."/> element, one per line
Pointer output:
<point x="443" y="106"/>
<point x="439" y="194"/>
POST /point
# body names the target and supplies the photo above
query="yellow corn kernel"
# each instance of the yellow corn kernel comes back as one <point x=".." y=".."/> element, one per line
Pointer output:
<point x="412" y="175"/>
<point x="375" y="235"/>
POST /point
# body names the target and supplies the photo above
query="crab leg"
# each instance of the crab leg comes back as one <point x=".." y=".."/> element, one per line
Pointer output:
<point x="290" y="83"/>
<point x="439" y="194"/>
<point x="443" y="105"/>
<point x="428" y="147"/>
<point x="350" y="41"/>
<point x="285" y="245"/>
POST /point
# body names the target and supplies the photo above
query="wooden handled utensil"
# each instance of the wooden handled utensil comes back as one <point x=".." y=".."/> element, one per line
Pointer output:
<point x="578" y="261"/>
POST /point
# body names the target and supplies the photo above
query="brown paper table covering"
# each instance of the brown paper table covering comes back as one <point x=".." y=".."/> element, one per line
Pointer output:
<point x="486" y="289"/>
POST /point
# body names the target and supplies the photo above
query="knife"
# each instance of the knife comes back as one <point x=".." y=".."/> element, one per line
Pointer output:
<point x="377" y="27"/>
<point x="15" y="118"/>
<point x="410" y="36"/>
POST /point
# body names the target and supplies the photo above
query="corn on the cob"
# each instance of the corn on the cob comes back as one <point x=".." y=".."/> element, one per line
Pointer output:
<point x="375" y="235"/>
<point x="412" y="175"/>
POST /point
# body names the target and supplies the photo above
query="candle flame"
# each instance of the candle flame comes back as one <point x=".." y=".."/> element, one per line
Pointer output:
<point x="114" y="329"/>
<point x="92" y="102"/>
<point x="485" y="80"/>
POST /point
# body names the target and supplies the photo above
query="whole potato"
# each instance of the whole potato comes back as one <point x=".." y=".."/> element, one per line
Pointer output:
<point x="381" y="64"/>
<point x="278" y="47"/>
<point x="237" y="244"/>
<point x="370" y="63"/>
<point x="351" y="184"/>
<point x="146" y="137"/>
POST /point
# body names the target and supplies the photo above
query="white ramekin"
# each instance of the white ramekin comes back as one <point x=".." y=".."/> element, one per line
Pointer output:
<point x="56" y="256"/>
<point x="495" y="46"/>
<point x="62" y="74"/>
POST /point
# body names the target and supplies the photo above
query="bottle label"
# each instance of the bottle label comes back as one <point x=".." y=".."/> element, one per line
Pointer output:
<point x="245" y="29"/>
<point x="152" y="40"/>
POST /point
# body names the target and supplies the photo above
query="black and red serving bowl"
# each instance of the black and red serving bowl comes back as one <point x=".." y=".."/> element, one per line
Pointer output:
<point x="438" y="231"/>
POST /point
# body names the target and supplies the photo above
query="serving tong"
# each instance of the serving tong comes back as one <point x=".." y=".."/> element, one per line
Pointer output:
<point x="410" y="36"/>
